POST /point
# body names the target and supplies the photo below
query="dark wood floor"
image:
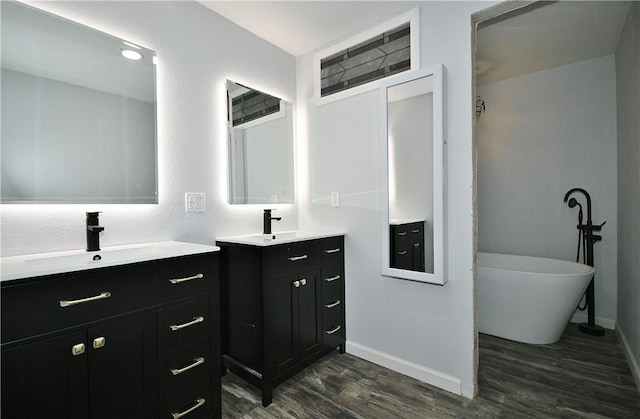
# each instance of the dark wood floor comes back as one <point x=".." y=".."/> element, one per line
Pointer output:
<point x="578" y="377"/>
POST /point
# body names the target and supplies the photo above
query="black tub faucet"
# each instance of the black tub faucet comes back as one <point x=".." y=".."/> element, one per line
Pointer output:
<point x="266" y="221"/>
<point x="93" y="231"/>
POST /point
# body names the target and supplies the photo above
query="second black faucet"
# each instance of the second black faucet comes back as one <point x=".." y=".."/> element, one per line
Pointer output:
<point x="266" y="221"/>
<point x="93" y="231"/>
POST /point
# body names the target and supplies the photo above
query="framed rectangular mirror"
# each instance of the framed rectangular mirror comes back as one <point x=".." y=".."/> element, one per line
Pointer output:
<point x="260" y="132"/>
<point x="78" y="118"/>
<point x="413" y="181"/>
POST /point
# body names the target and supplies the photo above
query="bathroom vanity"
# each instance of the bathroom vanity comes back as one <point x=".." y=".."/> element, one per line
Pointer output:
<point x="283" y="304"/>
<point x="131" y="334"/>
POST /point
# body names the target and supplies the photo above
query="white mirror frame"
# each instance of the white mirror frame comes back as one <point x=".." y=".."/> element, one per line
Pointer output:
<point x="439" y="275"/>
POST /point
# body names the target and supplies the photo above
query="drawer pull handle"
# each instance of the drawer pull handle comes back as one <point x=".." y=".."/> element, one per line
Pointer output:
<point x="416" y="230"/>
<point x="197" y="361"/>
<point x="334" y="330"/>
<point x="402" y="233"/>
<point x="333" y="278"/>
<point x="296" y="284"/>
<point x="188" y="278"/>
<point x="198" y="403"/>
<point x="294" y="258"/>
<point x="332" y="305"/>
<point x="195" y="320"/>
<point x="404" y="252"/>
<point x="303" y="282"/>
<point x="101" y="296"/>
<point x="329" y="251"/>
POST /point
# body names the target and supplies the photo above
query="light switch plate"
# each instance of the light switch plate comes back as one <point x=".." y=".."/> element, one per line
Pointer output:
<point x="194" y="202"/>
<point x="335" y="198"/>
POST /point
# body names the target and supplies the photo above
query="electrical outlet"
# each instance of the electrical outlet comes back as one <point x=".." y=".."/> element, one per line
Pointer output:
<point x="335" y="198"/>
<point x="194" y="202"/>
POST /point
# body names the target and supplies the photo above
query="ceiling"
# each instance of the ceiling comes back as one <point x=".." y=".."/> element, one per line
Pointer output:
<point x="302" y="26"/>
<point x="539" y="37"/>
<point x="521" y="42"/>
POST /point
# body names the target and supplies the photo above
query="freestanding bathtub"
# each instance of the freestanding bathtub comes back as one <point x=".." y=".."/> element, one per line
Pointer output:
<point x="528" y="299"/>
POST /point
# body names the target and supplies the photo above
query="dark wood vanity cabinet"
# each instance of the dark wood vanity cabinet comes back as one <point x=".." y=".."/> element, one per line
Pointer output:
<point x="283" y="308"/>
<point x="407" y="246"/>
<point x="144" y="343"/>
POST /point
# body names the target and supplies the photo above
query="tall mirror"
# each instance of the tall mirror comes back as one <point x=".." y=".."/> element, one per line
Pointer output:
<point x="260" y="147"/>
<point x="78" y="113"/>
<point x="413" y="176"/>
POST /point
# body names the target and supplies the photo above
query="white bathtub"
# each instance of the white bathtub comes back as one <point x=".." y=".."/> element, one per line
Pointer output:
<point x="528" y="299"/>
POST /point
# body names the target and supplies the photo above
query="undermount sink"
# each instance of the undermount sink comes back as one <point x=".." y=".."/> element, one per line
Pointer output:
<point x="276" y="238"/>
<point x="89" y="257"/>
<point x="26" y="266"/>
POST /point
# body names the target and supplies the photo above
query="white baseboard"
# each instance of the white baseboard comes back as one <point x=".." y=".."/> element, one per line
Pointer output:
<point x="601" y="321"/>
<point x="633" y="364"/>
<point x="413" y="370"/>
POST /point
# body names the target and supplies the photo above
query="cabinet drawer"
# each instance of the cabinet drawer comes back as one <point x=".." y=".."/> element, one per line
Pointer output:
<point x="330" y="250"/>
<point x="333" y="333"/>
<point x="184" y="366"/>
<point x="185" y="276"/>
<point x="61" y="301"/>
<point x="182" y="324"/>
<point x="332" y="283"/>
<point x="193" y="402"/>
<point x="288" y="258"/>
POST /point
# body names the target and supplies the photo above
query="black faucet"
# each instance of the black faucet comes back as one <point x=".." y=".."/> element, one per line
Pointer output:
<point x="266" y="218"/>
<point x="586" y="241"/>
<point x="93" y="232"/>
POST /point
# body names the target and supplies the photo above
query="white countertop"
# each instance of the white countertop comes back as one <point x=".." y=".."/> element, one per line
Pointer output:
<point x="38" y="264"/>
<point x="399" y="221"/>
<point x="278" y="237"/>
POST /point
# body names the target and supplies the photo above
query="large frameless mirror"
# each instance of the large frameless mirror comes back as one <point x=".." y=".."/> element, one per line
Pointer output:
<point x="78" y="117"/>
<point x="413" y="176"/>
<point x="260" y="147"/>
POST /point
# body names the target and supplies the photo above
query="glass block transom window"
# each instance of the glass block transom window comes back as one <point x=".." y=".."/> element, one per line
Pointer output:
<point x="378" y="57"/>
<point x="253" y="105"/>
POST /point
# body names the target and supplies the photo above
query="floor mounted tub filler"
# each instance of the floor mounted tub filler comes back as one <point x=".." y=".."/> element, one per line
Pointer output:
<point x="528" y="299"/>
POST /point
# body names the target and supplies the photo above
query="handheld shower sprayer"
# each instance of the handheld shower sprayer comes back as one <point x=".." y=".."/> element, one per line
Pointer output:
<point x="572" y="203"/>
<point x="586" y="240"/>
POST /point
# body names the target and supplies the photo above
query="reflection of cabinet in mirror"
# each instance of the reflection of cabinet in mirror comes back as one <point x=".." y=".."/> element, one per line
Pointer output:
<point x="407" y="245"/>
<point x="260" y="147"/>
<point x="413" y="176"/>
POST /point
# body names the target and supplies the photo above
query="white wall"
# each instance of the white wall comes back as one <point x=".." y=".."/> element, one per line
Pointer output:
<point x="541" y="135"/>
<point x="628" y="94"/>
<point x="424" y="330"/>
<point x="197" y="51"/>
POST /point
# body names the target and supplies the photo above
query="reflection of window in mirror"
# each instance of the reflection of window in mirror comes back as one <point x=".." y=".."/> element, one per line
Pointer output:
<point x="260" y="147"/>
<point x="413" y="172"/>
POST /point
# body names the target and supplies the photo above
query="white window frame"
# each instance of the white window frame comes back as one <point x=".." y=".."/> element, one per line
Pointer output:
<point x="412" y="17"/>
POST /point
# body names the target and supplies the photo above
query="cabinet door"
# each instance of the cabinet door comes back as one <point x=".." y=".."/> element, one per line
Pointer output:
<point x="292" y="319"/>
<point x="309" y="320"/>
<point x="280" y="323"/>
<point x="123" y="374"/>
<point x="45" y="379"/>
